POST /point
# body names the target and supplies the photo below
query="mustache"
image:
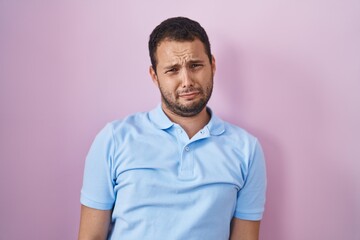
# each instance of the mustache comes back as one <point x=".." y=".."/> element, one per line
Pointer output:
<point x="190" y="89"/>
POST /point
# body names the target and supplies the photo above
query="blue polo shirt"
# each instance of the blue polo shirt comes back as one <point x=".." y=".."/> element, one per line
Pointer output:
<point x="163" y="185"/>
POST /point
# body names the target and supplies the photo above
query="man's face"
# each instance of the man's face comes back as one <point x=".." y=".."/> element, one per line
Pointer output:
<point x="184" y="76"/>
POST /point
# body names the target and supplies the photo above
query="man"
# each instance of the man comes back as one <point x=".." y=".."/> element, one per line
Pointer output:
<point x="178" y="171"/>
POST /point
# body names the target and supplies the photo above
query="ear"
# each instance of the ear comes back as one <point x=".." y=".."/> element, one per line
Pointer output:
<point x="213" y="64"/>
<point x="153" y="76"/>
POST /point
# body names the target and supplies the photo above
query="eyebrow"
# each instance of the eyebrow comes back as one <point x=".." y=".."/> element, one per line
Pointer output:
<point x="196" y="61"/>
<point x="188" y="62"/>
<point x="171" y="66"/>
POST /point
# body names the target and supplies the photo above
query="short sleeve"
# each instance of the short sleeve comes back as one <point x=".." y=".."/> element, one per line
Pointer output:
<point x="251" y="197"/>
<point x="98" y="184"/>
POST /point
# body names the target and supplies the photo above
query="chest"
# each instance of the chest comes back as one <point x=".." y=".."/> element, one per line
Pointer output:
<point x="164" y="162"/>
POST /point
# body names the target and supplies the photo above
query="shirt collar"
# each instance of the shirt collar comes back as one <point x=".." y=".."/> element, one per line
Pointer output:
<point x="215" y="126"/>
<point x="159" y="118"/>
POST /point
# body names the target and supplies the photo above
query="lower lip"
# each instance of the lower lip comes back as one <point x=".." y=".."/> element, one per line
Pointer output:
<point x="189" y="96"/>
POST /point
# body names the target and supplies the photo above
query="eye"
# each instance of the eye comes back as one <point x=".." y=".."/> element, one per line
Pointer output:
<point x="195" y="65"/>
<point x="171" y="70"/>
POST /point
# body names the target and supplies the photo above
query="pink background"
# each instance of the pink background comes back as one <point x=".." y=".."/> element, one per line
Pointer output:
<point x="288" y="71"/>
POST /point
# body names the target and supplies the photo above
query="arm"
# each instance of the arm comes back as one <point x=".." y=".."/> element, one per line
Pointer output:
<point x="244" y="229"/>
<point x="251" y="199"/>
<point x="94" y="224"/>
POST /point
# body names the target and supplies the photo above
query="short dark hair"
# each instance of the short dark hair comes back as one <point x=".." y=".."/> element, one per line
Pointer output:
<point x="178" y="29"/>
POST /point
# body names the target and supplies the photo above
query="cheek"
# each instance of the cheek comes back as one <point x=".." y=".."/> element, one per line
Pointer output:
<point x="205" y="79"/>
<point x="170" y="85"/>
<point x="168" y="89"/>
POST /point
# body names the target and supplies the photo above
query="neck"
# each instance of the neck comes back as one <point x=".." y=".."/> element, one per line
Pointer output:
<point x="191" y="125"/>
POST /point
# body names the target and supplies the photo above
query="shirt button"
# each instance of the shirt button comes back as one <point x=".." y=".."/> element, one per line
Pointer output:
<point x="187" y="149"/>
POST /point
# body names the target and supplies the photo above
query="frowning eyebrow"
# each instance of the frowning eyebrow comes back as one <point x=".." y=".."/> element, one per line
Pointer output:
<point x="177" y="65"/>
<point x="196" y="62"/>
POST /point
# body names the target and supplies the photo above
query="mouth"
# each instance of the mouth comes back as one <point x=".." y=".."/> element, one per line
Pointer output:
<point x="189" y="95"/>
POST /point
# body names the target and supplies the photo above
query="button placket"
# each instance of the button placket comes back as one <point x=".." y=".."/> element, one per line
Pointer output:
<point x="187" y="163"/>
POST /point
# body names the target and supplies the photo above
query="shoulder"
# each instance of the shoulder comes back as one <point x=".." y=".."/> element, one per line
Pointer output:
<point x="120" y="129"/>
<point x="134" y="120"/>
<point x="229" y="132"/>
<point x="239" y="135"/>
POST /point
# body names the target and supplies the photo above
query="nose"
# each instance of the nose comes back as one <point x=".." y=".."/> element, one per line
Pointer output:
<point x="187" y="80"/>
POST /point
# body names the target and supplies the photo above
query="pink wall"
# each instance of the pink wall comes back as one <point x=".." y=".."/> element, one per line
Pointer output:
<point x="288" y="71"/>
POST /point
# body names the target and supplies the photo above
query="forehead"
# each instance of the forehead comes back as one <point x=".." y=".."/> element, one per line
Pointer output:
<point x="171" y="50"/>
